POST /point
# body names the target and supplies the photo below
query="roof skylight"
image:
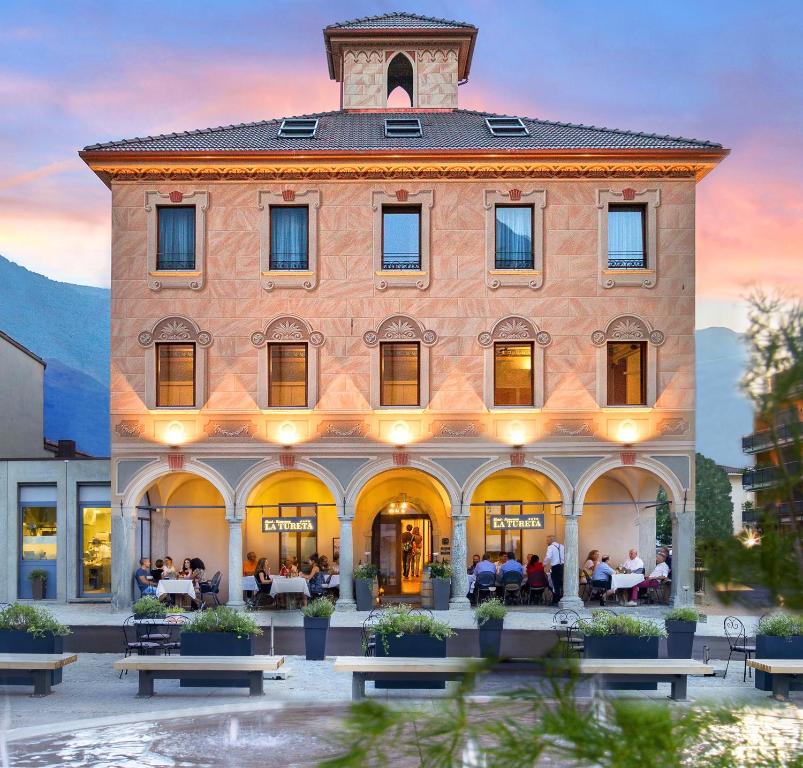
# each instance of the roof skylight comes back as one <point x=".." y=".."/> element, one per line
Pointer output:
<point x="398" y="127"/>
<point x="506" y="126"/>
<point x="298" y="128"/>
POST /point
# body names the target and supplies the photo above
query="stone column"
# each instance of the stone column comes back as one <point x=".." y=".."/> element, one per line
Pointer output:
<point x="124" y="523"/>
<point x="571" y="570"/>
<point x="235" y="561"/>
<point x="459" y="556"/>
<point x="646" y="539"/>
<point x="683" y="558"/>
<point x="346" y="600"/>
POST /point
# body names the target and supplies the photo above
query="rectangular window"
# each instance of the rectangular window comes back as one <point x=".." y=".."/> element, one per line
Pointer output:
<point x="287" y="375"/>
<point x="513" y="374"/>
<point x="514" y="237"/>
<point x="289" y="238"/>
<point x="399" y="374"/>
<point x="626" y="236"/>
<point x="297" y="546"/>
<point x="95" y="528"/>
<point x="401" y="238"/>
<point x="497" y="542"/>
<point x="176" y="247"/>
<point x="38" y="537"/>
<point x="627" y="376"/>
<point x="175" y="375"/>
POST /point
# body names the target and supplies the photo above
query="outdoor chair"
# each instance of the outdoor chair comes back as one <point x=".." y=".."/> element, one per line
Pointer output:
<point x="485" y="585"/>
<point x="575" y="640"/>
<point x="137" y="639"/>
<point x="737" y="643"/>
<point x="211" y="587"/>
<point x="536" y="586"/>
<point x="368" y="639"/>
<point x="562" y="622"/>
<point x="511" y="587"/>
<point x="660" y="594"/>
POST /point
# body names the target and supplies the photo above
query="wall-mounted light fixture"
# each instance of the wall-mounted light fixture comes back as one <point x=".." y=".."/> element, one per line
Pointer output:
<point x="400" y="434"/>
<point x="175" y="434"/>
<point x="288" y="434"/>
<point x="517" y="434"/>
<point x="627" y="432"/>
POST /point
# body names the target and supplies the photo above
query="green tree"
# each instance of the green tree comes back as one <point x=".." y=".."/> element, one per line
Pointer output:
<point x="663" y="519"/>
<point x="714" y="517"/>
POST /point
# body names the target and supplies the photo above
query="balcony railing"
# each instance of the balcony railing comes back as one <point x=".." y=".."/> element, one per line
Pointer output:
<point x="175" y="261"/>
<point x="763" y="440"/>
<point x="789" y="509"/>
<point x="514" y="261"/>
<point x="626" y="260"/>
<point x="289" y="261"/>
<point x="394" y="262"/>
<point x="766" y="477"/>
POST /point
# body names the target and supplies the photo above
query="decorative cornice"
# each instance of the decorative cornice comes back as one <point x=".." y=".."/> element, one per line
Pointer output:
<point x="628" y="328"/>
<point x="175" y="328"/>
<point x="514" y="328"/>
<point x="287" y="328"/>
<point x="673" y="427"/>
<point x="457" y="429"/>
<point x="129" y="428"/>
<point x="230" y="429"/>
<point x="570" y="428"/>
<point x="343" y="429"/>
<point x="400" y="328"/>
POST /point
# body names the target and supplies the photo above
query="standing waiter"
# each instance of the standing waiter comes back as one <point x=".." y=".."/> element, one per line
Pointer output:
<point x="556" y="558"/>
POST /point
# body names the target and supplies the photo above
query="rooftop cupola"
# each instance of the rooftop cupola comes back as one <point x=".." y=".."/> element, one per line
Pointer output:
<point x="399" y="60"/>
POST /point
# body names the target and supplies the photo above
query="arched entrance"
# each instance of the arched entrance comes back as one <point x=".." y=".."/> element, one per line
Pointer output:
<point x="385" y="506"/>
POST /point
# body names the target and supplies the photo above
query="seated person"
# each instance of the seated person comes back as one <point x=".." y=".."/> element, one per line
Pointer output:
<point x="659" y="574"/>
<point x="601" y="578"/>
<point x="474" y="561"/>
<point x="156" y="571"/>
<point x="485" y="566"/>
<point x="186" y="569"/>
<point x="511" y="565"/>
<point x="633" y="564"/>
<point x="335" y="566"/>
<point x="323" y="563"/>
<point x="250" y="564"/>
<point x="667" y="558"/>
<point x="168" y="569"/>
<point x="143" y="578"/>
<point x="534" y="565"/>
<point x="314" y="577"/>
<point x="262" y="575"/>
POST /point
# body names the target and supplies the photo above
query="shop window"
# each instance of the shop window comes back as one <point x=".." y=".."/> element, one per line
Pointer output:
<point x="289" y="237"/>
<point x="38" y="537"/>
<point x="287" y="375"/>
<point x="513" y="374"/>
<point x="399" y="374"/>
<point x="175" y="375"/>
<point x="95" y="529"/>
<point x="514" y="237"/>
<point x="627" y="380"/>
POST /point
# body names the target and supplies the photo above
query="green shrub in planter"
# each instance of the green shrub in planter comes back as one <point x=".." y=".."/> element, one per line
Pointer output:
<point x="30" y="629"/>
<point x="38" y="579"/>
<point x="222" y="619"/>
<point x="316" y="626"/>
<point x="779" y="637"/>
<point x="441" y="576"/>
<point x="149" y="608"/>
<point x="780" y="625"/>
<point x="490" y="617"/>
<point x="681" y="624"/>
<point x="364" y="585"/>
<point x="603" y="624"/>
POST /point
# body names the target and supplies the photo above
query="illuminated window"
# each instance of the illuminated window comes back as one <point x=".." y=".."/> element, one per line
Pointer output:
<point x="175" y="375"/>
<point x="513" y="374"/>
<point x="627" y="379"/>
<point x="399" y="374"/>
<point x="287" y="375"/>
<point x="300" y="545"/>
<point x="514" y="237"/>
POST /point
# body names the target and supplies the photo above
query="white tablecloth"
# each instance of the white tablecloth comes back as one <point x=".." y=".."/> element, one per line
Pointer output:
<point x="282" y="584"/>
<point x="333" y="582"/>
<point x="175" y="587"/>
<point x="249" y="584"/>
<point x="626" y="580"/>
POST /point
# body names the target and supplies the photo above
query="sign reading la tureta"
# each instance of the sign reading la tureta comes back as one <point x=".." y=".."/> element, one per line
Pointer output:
<point x="516" y="522"/>
<point x="288" y="524"/>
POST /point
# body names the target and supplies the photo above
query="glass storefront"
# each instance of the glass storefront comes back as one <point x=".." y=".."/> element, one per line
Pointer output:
<point x="95" y="526"/>
<point x="301" y="545"/>
<point x="497" y="542"/>
<point x="38" y="545"/>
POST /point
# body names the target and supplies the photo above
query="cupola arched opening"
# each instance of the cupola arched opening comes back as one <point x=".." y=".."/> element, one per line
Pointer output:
<point x="400" y="76"/>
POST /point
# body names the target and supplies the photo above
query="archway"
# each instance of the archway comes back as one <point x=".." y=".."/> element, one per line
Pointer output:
<point x="400" y="81"/>
<point x="386" y="504"/>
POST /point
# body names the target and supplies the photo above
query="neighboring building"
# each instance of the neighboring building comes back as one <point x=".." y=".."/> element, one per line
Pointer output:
<point x="55" y="512"/>
<point x="739" y="496"/>
<point x="340" y="324"/>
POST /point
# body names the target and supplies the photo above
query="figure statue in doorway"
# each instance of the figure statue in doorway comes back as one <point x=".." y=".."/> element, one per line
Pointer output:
<point x="418" y="550"/>
<point x="407" y="550"/>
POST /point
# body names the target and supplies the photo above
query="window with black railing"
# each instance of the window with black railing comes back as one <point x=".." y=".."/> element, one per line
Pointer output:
<point x="176" y="233"/>
<point x="514" y="237"/>
<point x="401" y="238"/>
<point x="289" y="237"/>
<point x="627" y="236"/>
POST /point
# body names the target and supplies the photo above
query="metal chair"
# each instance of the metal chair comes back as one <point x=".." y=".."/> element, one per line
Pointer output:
<point x="737" y="643"/>
<point x="511" y="587"/>
<point x="660" y="594"/>
<point x="368" y="637"/>
<point x="136" y="639"/>
<point x="537" y="584"/>
<point x="485" y="584"/>
<point x="173" y="641"/>
<point x="562" y="623"/>
<point x="575" y="640"/>
<point x="211" y="587"/>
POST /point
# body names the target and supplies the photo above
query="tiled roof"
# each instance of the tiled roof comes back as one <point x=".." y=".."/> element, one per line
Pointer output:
<point x="350" y="131"/>
<point x="400" y="20"/>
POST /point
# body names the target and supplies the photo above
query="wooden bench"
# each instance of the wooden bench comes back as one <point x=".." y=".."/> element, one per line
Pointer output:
<point x="674" y="671"/>
<point x="782" y="671"/>
<point x="152" y="668"/>
<point x="38" y="666"/>
<point x="374" y="668"/>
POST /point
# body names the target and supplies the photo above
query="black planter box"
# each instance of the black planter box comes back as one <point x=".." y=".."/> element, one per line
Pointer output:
<point x="315" y="629"/>
<point x="680" y="639"/>
<point x="15" y="641"/>
<point x="414" y="647"/>
<point x="490" y="635"/>
<point x="364" y="594"/>
<point x="215" y="644"/>
<point x="441" y="592"/>
<point x="771" y="647"/>
<point x="623" y="647"/>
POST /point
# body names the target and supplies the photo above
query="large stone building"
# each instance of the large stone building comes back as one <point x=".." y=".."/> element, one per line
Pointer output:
<point x="479" y="325"/>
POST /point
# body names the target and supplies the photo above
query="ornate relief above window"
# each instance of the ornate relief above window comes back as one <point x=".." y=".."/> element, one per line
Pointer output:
<point x="629" y="273"/>
<point x="621" y="330"/>
<point x="182" y="333"/>
<point x="522" y="343"/>
<point x="179" y="277"/>
<point x="299" y="270"/>
<point x="506" y="264"/>
<point x="400" y="329"/>
<point x="286" y="343"/>
<point x="407" y="202"/>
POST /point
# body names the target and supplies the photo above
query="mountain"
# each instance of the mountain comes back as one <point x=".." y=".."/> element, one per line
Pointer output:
<point x="724" y="413"/>
<point x="68" y="326"/>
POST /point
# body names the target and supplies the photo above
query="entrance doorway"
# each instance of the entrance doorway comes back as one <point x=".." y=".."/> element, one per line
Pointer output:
<point x="401" y="536"/>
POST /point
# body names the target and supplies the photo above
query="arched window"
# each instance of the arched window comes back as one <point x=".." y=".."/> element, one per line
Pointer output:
<point x="400" y="77"/>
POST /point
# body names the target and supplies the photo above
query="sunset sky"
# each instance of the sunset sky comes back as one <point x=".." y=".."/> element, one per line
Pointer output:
<point x="76" y="73"/>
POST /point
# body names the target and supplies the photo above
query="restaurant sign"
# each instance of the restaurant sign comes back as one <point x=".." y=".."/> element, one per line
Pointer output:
<point x="288" y="524"/>
<point x="516" y="522"/>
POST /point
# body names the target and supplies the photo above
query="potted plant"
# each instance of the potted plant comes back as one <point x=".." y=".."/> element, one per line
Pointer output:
<point x="681" y="624"/>
<point x="365" y="586"/>
<point x="608" y="636"/>
<point x="779" y="637"/>
<point x="402" y="631"/>
<point x="219" y="631"/>
<point x="38" y="579"/>
<point x="316" y="624"/>
<point x="441" y="576"/>
<point x="149" y="608"/>
<point x="30" y="629"/>
<point x="490" y="617"/>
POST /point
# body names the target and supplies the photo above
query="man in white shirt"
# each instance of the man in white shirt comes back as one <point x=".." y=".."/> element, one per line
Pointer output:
<point x="555" y="559"/>
<point x="633" y="564"/>
<point x="659" y="574"/>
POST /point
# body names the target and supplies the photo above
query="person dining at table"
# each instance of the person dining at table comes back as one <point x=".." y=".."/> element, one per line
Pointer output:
<point x="511" y="565"/>
<point x="659" y="574"/>
<point x="143" y="578"/>
<point x="262" y="575"/>
<point x="323" y="564"/>
<point x="472" y="567"/>
<point x="313" y="577"/>
<point x="168" y="569"/>
<point x="334" y="568"/>
<point x="633" y="564"/>
<point x="250" y="564"/>
<point x="601" y="578"/>
<point x="485" y="566"/>
<point x="186" y="569"/>
<point x="534" y="565"/>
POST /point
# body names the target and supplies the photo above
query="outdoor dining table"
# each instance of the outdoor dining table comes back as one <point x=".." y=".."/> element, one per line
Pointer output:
<point x="332" y="582"/>
<point x="288" y="584"/>
<point x="175" y="587"/>
<point x="249" y="584"/>
<point x="626" y="580"/>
